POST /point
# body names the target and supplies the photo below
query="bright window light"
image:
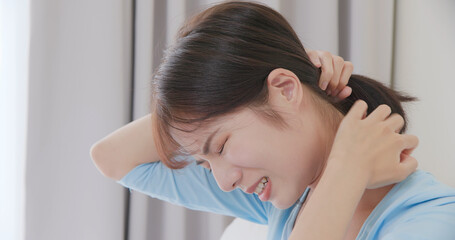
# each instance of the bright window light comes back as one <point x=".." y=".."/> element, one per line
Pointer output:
<point x="14" y="49"/>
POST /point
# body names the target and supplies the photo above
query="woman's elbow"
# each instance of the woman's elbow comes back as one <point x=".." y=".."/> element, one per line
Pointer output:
<point x="103" y="161"/>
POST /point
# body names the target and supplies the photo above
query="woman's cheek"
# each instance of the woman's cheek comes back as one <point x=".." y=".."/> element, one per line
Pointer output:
<point x="243" y="155"/>
<point x="234" y="154"/>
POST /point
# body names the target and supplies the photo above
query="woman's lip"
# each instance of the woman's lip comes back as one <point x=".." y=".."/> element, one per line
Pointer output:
<point x="253" y="187"/>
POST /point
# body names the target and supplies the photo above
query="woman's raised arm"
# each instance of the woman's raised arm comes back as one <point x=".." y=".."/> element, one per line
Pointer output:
<point x="131" y="145"/>
<point x="125" y="148"/>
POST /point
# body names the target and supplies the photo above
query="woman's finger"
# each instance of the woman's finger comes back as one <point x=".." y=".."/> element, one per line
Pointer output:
<point x="408" y="164"/>
<point x="408" y="143"/>
<point x="396" y="122"/>
<point x="358" y="110"/>
<point x="338" y="63"/>
<point x="380" y="113"/>
<point x="314" y="58"/>
<point x="345" y="92"/>
<point x="327" y="70"/>
<point x="345" y="74"/>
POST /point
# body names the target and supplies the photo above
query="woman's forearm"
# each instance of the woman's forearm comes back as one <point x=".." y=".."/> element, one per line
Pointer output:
<point x="125" y="148"/>
<point x="328" y="212"/>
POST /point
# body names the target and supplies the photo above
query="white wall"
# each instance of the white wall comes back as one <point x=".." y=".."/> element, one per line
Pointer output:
<point x="79" y="92"/>
<point x="424" y="67"/>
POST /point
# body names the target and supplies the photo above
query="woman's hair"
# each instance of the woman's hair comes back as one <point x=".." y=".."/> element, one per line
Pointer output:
<point x="220" y="63"/>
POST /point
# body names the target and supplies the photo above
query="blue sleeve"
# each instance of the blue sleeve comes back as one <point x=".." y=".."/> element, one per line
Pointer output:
<point x="437" y="223"/>
<point x="194" y="187"/>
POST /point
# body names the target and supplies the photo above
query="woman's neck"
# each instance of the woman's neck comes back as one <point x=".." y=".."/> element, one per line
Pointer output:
<point x="328" y="124"/>
<point x="371" y="197"/>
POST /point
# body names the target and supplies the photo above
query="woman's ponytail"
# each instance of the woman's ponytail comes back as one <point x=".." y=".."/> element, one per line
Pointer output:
<point x="374" y="93"/>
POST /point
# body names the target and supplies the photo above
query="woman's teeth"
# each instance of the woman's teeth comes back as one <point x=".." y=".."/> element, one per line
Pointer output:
<point x="261" y="185"/>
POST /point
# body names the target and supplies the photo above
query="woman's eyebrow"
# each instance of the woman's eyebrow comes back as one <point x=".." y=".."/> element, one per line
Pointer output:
<point x="206" y="148"/>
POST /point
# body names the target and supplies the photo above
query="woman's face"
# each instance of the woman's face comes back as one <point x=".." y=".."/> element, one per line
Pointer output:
<point x="243" y="149"/>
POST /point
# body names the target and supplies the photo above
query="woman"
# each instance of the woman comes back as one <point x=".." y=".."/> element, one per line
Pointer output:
<point x="238" y="93"/>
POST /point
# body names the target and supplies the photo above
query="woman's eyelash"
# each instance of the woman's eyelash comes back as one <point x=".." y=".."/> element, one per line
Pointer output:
<point x="221" y="150"/>
<point x="222" y="147"/>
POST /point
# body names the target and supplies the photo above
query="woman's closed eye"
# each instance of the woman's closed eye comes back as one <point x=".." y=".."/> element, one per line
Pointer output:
<point x="206" y="164"/>
<point x="220" y="151"/>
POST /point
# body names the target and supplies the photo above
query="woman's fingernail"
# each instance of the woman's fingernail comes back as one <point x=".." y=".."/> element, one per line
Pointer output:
<point x="324" y="85"/>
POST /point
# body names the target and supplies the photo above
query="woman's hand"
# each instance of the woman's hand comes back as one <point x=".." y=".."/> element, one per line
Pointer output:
<point x="335" y="73"/>
<point x="367" y="152"/>
<point x="373" y="147"/>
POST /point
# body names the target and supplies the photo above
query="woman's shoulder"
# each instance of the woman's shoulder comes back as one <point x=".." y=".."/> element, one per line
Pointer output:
<point x="419" y="206"/>
<point x="422" y="186"/>
<point x="420" y="192"/>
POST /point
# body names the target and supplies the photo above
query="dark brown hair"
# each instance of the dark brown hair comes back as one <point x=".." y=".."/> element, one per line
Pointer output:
<point x="220" y="62"/>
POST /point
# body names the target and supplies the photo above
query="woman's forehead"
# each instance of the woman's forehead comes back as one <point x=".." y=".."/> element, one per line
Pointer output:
<point x="190" y="137"/>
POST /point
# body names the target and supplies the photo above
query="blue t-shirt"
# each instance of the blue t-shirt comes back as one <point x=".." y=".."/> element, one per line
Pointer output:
<point x="420" y="207"/>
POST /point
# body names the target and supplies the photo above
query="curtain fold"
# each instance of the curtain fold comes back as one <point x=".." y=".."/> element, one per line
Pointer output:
<point x="369" y="34"/>
<point x="79" y="92"/>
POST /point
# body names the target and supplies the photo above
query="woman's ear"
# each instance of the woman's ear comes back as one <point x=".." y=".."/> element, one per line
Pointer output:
<point x="284" y="88"/>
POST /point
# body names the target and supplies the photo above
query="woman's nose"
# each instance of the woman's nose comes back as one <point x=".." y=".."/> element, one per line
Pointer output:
<point x="226" y="176"/>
